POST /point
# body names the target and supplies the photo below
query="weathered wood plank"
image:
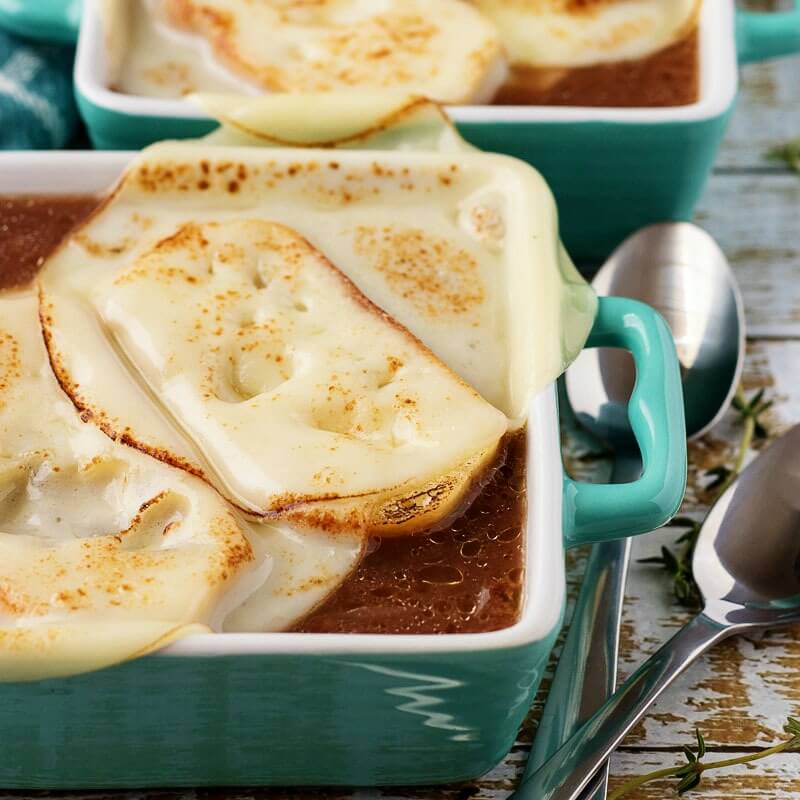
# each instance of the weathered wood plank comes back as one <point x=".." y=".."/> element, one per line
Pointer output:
<point x="766" y="114"/>
<point x="756" y="220"/>
<point x="776" y="778"/>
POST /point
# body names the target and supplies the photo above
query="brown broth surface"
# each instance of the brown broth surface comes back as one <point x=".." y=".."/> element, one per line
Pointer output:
<point x="466" y="578"/>
<point x="31" y="227"/>
<point x="670" y="77"/>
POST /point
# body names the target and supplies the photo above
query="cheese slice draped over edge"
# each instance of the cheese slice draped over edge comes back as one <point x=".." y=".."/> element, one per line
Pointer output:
<point x="528" y="311"/>
<point x="459" y="247"/>
<point x="105" y="553"/>
<point x="303" y="398"/>
<point x="442" y="49"/>
<point x="353" y="120"/>
<point x="564" y="33"/>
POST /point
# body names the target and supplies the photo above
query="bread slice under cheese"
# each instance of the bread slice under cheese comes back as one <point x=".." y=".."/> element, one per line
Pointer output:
<point x="441" y="49"/>
<point x="277" y="379"/>
<point x="106" y="554"/>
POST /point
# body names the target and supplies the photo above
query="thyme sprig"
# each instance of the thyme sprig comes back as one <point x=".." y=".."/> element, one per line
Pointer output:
<point x="689" y="774"/>
<point x="679" y="563"/>
<point x="788" y="152"/>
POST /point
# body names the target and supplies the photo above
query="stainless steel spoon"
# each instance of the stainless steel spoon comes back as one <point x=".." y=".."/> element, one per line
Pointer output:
<point x="747" y="565"/>
<point x="680" y="270"/>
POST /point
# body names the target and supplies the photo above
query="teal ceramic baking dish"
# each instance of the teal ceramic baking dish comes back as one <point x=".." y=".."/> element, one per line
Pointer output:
<point x="308" y="709"/>
<point x="47" y="20"/>
<point x="612" y="170"/>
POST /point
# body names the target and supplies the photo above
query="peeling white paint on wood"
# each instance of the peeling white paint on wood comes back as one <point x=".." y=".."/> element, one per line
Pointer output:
<point x="766" y="115"/>
<point x="780" y="363"/>
<point x="756" y="220"/>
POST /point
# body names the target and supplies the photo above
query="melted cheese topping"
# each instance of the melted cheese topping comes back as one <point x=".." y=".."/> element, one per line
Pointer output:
<point x="149" y="58"/>
<point x="294" y="387"/>
<point x="442" y="49"/>
<point x="526" y="312"/>
<point x="307" y="566"/>
<point x="535" y="310"/>
<point x="275" y="378"/>
<point x="578" y="33"/>
<point x="106" y="554"/>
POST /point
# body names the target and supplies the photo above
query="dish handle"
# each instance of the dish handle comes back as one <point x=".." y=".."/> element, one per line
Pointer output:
<point x="763" y="34"/>
<point x="598" y="512"/>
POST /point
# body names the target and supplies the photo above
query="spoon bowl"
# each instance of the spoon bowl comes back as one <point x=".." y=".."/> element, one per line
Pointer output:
<point x="746" y="565"/>
<point x="679" y="270"/>
<point x="747" y="562"/>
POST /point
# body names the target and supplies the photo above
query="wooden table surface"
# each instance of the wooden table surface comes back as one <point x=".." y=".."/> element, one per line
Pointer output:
<point x="741" y="693"/>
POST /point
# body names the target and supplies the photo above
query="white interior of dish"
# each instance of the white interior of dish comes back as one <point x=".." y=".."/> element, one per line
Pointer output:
<point x="544" y="582"/>
<point x="718" y="82"/>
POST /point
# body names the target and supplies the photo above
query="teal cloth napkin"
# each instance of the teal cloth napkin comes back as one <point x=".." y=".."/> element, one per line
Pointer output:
<point x="37" y="109"/>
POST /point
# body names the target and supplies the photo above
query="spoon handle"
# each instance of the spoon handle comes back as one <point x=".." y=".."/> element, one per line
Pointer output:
<point x="587" y="669"/>
<point x="571" y="768"/>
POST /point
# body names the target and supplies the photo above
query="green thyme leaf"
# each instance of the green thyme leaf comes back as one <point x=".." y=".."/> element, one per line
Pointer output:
<point x="685" y="769"/>
<point x="671" y="563"/>
<point x="686" y="591"/>
<point x="688" y="783"/>
<point x="701" y="743"/>
<point x="788" y="152"/>
<point x="689" y="536"/>
<point x="792" y="727"/>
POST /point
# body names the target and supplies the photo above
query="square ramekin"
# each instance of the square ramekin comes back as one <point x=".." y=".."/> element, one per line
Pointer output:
<point x="317" y="709"/>
<point x="612" y="170"/>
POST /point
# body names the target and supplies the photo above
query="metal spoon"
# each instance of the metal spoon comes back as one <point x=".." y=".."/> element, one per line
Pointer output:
<point x="747" y="565"/>
<point x="681" y="271"/>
